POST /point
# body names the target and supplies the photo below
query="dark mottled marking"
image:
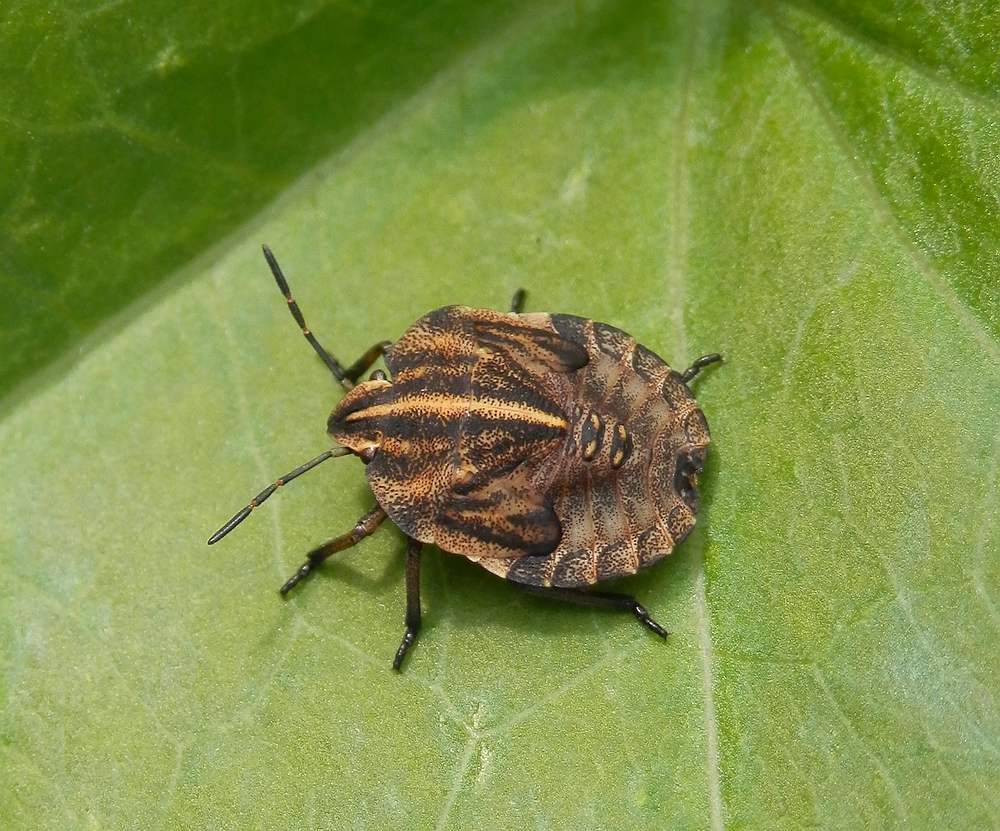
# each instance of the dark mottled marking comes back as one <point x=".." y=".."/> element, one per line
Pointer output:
<point x="646" y="363"/>
<point x="696" y="428"/>
<point x="528" y="570"/>
<point x="615" y="561"/>
<point x="573" y="569"/>
<point x="611" y="341"/>
<point x="621" y="446"/>
<point x="684" y="480"/>
<point x="663" y="466"/>
<point x="674" y="390"/>
<point x="575" y="414"/>
<point x="571" y="327"/>
<point x="652" y="544"/>
<point x="534" y="531"/>
<point x="536" y="348"/>
<point x="697" y="457"/>
<point x="591" y="436"/>
<point x="679" y="522"/>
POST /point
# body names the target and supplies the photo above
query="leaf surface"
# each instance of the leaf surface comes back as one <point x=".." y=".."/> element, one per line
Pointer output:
<point x="812" y="193"/>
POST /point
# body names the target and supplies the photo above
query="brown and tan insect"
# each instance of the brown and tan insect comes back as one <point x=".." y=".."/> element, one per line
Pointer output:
<point x="552" y="450"/>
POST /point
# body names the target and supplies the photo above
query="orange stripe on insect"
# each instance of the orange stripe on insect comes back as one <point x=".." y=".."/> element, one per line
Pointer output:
<point x="449" y="407"/>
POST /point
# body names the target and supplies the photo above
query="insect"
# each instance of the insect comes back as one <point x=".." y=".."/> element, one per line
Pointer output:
<point x="550" y="449"/>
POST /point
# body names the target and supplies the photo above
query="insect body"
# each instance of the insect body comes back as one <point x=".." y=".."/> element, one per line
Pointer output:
<point x="550" y="449"/>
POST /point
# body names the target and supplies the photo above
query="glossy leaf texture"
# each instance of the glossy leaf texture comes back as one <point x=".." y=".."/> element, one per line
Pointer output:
<point x="811" y="191"/>
<point x="137" y="134"/>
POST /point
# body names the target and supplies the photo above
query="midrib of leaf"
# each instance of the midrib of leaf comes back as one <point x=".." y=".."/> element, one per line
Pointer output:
<point x="674" y="291"/>
<point x="424" y="99"/>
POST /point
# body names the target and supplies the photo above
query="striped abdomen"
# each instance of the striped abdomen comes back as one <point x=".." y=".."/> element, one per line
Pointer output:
<point x="623" y="483"/>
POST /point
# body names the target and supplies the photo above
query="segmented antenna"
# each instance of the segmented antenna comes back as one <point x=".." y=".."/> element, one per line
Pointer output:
<point x="293" y="307"/>
<point x="264" y="494"/>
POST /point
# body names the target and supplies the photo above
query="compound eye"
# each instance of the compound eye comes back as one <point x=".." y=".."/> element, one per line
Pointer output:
<point x="378" y="375"/>
<point x="368" y="454"/>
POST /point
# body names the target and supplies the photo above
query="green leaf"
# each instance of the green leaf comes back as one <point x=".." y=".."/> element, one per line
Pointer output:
<point x="136" y="135"/>
<point x="812" y="193"/>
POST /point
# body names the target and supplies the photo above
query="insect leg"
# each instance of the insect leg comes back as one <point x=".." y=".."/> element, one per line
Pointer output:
<point x="357" y="369"/>
<point x="347" y="377"/>
<point x="517" y="303"/>
<point x="412" y="569"/>
<point x="703" y="361"/>
<point x="365" y="526"/>
<point x="607" y="600"/>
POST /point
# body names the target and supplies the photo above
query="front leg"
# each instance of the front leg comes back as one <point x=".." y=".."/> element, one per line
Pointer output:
<point x="365" y="526"/>
<point x="412" y="569"/>
<point x="357" y="369"/>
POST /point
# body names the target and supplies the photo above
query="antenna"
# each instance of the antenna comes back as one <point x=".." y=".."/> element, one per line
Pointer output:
<point x="264" y="494"/>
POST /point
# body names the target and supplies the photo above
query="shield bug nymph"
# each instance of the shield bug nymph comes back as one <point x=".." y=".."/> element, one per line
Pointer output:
<point x="550" y="449"/>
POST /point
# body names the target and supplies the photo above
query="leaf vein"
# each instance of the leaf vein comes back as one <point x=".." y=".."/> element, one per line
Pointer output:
<point x="891" y="788"/>
<point x="883" y="211"/>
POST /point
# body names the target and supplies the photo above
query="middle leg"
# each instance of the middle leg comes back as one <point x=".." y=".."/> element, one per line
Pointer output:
<point x="412" y="569"/>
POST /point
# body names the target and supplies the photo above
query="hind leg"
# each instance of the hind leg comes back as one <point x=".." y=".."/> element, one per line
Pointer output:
<point x="606" y="600"/>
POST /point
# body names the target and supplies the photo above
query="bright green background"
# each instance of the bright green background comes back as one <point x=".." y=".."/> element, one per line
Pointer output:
<point x="813" y="193"/>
